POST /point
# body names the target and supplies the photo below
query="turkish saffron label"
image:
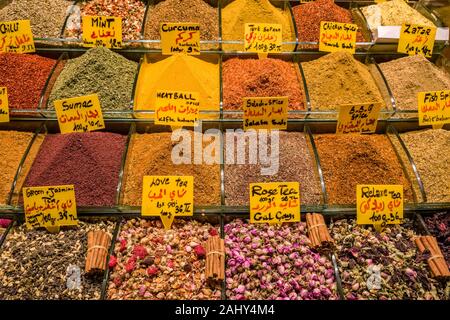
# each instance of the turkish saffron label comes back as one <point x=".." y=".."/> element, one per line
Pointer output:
<point x="336" y="36"/>
<point x="177" y="108"/>
<point x="16" y="37"/>
<point x="4" y="108"/>
<point x="101" y="31"/>
<point x="168" y="197"/>
<point x="263" y="38"/>
<point x="80" y="114"/>
<point x="265" y="113"/>
<point x="50" y="206"/>
<point x="379" y="204"/>
<point x="361" y="118"/>
<point x="274" y="202"/>
<point x="180" y="38"/>
<point x="416" y="39"/>
<point x="434" y="107"/>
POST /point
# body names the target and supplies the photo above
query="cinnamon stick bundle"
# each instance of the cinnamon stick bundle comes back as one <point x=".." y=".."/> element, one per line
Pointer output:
<point x="97" y="252"/>
<point x="437" y="263"/>
<point x="215" y="258"/>
<point x="317" y="231"/>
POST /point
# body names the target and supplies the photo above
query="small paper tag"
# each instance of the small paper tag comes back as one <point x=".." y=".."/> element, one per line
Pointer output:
<point x="434" y="108"/>
<point x="263" y="38"/>
<point x="4" y="107"/>
<point x="416" y="39"/>
<point x="336" y="36"/>
<point x="177" y="108"/>
<point x="265" y="113"/>
<point x="16" y="37"/>
<point x="361" y="118"/>
<point x="180" y="38"/>
<point x="100" y="31"/>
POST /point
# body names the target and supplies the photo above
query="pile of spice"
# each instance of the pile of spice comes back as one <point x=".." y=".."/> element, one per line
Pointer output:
<point x="196" y="11"/>
<point x="293" y="162"/>
<point x="444" y="14"/>
<point x="24" y="76"/>
<point x="430" y="150"/>
<point x="131" y="11"/>
<point x="100" y="71"/>
<point x="151" y="154"/>
<point x="338" y="79"/>
<point x="178" y="73"/>
<point x="418" y="75"/>
<point x="239" y="12"/>
<point x="47" y="16"/>
<point x="38" y="265"/>
<point x="349" y="160"/>
<point x="4" y="223"/>
<point x="383" y="266"/>
<point x="269" y="262"/>
<point x="152" y="263"/>
<point x="90" y="161"/>
<point x="261" y="78"/>
<point x="439" y="226"/>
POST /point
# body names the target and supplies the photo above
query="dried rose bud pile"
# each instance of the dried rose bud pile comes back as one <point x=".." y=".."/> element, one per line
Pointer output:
<point x="152" y="263"/>
<point x="275" y="262"/>
<point x="439" y="226"/>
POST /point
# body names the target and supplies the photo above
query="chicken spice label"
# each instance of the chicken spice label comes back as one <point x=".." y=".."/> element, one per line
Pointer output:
<point x="16" y="37"/>
<point x="102" y="31"/>
<point x="336" y="36"/>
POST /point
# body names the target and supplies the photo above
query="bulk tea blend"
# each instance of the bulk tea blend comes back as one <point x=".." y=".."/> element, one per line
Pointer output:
<point x="38" y="265"/>
<point x="152" y="263"/>
<point x="439" y="226"/>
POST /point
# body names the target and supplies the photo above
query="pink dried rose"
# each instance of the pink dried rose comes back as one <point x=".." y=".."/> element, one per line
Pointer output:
<point x="117" y="281"/>
<point x="213" y="232"/>
<point x="112" y="262"/>
<point x="140" y="252"/>
<point x="200" y="251"/>
<point x="123" y="245"/>
<point x="151" y="271"/>
<point x="130" y="265"/>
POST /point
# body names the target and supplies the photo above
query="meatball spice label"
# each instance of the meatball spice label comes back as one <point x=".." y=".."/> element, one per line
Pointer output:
<point x="434" y="108"/>
<point x="180" y="38"/>
<point x="79" y="114"/>
<point x="4" y="108"/>
<point x="416" y="39"/>
<point x="361" y="118"/>
<point x="274" y="202"/>
<point x="263" y="38"/>
<point x="16" y="37"/>
<point x="177" y="108"/>
<point x="168" y="197"/>
<point x="102" y="31"/>
<point x="336" y="36"/>
<point x="265" y="113"/>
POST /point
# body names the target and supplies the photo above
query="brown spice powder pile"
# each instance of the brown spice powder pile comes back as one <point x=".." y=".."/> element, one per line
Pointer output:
<point x="151" y="154"/>
<point x="430" y="150"/>
<point x="409" y="75"/>
<point x="349" y="160"/>
<point x="295" y="164"/>
<point x="261" y="78"/>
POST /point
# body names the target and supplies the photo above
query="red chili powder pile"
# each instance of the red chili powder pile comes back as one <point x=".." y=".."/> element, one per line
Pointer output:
<point x="24" y="75"/>
<point x="90" y="161"/>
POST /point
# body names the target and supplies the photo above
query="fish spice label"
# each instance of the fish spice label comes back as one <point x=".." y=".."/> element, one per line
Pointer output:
<point x="168" y="197"/>
<point x="50" y="206"/>
<point x="336" y="36"/>
<point x="102" y="31"/>
<point x="361" y="118"/>
<point x="177" y="108"/>
<point x="265" y="113"/>
<point x="416" y="39"/>
<point x="434" y="107"/>
<point x="274" y="202"/>
<point x="4" y="108"/>
<point x="81" y="114"/>
<point x="263" y="38"/>
<point x="379" y="204"/>
<point x="180" y="38"/>
<point x="16" y="37"/>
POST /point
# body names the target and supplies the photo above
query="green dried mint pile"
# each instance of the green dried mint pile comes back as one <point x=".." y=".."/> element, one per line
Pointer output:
<point x="100" y="71"/>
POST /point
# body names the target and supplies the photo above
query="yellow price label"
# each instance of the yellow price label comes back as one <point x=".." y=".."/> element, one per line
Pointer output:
<point x="379" y="204"/>
<point x="50" y="206"/>
<point x="416" y="39"/>
<point x="102" y="31"/>
<point x="434" y="107"/>
<point x="80" y="114"/>
<point x="177" y="108"/>
<point x="263" y="38"/>
<point x="180" y="38"/>
<point x="4" y="108"/>
<point x="362" y="118"/>
<point x="168" y="197"/>
<point x="274" y="202"/>
<point x="16" y="37"/>
<point x="265" y="113"/>
<point x="336" y="36"/>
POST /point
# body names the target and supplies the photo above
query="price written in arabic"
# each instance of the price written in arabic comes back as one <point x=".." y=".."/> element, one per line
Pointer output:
<point x="274" y="202"/>
<point x="180" y="38"/>
<point x="168" y="197"/>
<point x="50" y="206"/>
<point x="336" y="36"/>
<point x="177" y="108"/>
<point x="265" y="113"/>
<point x="379" y="204"/>
<point x="102" y="31"/>
<point x="16" y="37"/>
<point x="434" y="107"/>
<point x="80" y="114"/>
<point x="4" y="108"/>
<point x="416" y="39"/>
<point x="263" y="37"/>
<point x="361" y="118"/>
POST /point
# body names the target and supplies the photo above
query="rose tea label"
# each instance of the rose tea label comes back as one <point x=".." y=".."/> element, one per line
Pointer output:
<point x="361" y="118"/>
<point x="16" y="37"/>
<point x="4" y="108"/>
<point x="336" y="36"/>
<point x="177" y="108"/>
<point x="265" y="113"/>
<point x="180" y="38"/>
<point x="416" y="39"/>
<point x="434" y="108"/>
<point x="102" y="31"/>
<point x="263" y="38"/>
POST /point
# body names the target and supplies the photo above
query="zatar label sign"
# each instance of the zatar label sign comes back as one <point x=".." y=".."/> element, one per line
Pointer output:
<point x="16" y="37"/>
<point x="416" y="39"/>
<point x="102" y="31"/>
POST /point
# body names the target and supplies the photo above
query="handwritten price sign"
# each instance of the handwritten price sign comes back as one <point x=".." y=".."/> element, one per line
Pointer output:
<point x="50" y="206"/>
<point x="265" y="113"/>
<point x="336" y="36"/>
<point x="358" y="118"/>
<point x="168" y="197"/>
<point x="416" y="39"/>
<point x="263" y="38"/>
<point x="274" y="202"/>
<point x="379" y="204"/>
<point x="177" y="108"/>
<point x="434" y="107"/>
<point x="180" y="38"/>
<point x="102" y="31"/>
<point x="4" y="109"/>
<point x="16" y="37"/>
